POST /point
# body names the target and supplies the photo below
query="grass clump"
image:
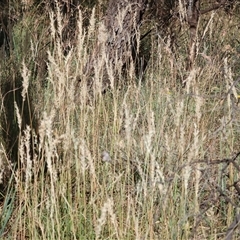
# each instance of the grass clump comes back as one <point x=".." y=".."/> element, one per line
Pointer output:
<point x="89" y="158"/>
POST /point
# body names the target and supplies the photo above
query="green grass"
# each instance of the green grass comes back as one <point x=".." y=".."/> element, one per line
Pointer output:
<point x="169" y="174"/>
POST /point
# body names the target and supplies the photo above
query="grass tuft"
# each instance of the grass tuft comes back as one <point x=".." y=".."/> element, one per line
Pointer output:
<point x="91" y="150"/>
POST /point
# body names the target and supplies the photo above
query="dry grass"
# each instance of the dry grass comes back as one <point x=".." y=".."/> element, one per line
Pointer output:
<point x="151" y="160"/>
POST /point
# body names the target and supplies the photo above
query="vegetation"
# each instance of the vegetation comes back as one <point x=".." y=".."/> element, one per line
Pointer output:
<point x="95" y="146"/>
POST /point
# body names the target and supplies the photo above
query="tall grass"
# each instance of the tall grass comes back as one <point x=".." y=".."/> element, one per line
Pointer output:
<point x="149" y="160"/>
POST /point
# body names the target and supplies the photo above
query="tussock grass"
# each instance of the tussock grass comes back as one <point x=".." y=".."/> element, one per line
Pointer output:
<point x="145" y="160"/>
